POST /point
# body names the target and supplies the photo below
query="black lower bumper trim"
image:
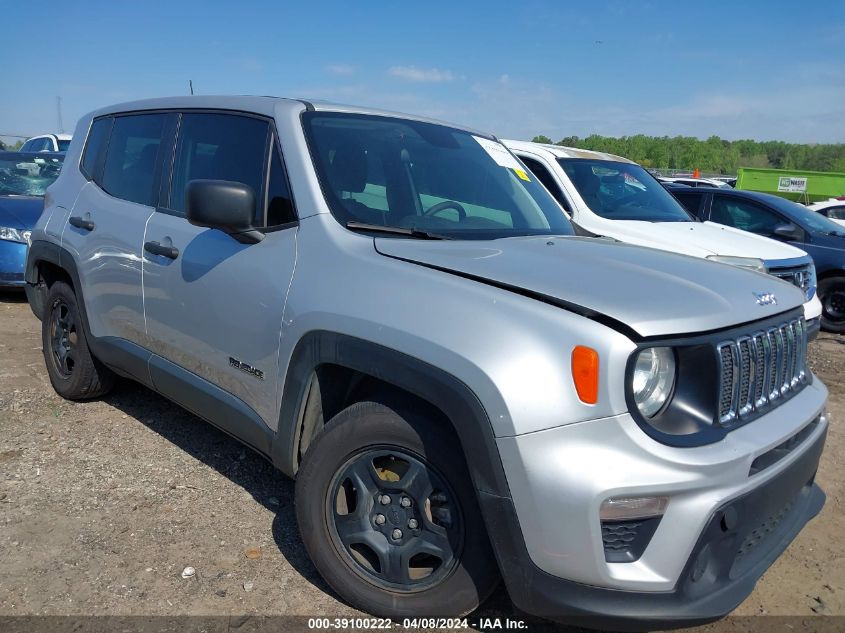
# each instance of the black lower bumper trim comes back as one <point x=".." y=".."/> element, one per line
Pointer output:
<point x="715" y="580"/>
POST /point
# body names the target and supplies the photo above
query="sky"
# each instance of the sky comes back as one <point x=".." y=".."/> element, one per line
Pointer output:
<point x="764" y="70"/>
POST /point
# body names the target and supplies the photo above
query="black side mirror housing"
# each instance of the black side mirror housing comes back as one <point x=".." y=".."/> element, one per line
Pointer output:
<point x="788" y="231"/>
<point x="224" y="205"/>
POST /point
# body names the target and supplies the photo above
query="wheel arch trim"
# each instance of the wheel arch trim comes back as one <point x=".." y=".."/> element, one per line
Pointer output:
<point x="442" y="390"/>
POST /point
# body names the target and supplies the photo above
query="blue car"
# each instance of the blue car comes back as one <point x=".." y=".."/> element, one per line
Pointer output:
<point x="24" y="178"/>
<point x="781" y="219"/>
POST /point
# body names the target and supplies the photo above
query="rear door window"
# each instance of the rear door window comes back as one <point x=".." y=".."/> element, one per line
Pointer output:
<point x="217" y="146"/>
<point x="130" y="170"/>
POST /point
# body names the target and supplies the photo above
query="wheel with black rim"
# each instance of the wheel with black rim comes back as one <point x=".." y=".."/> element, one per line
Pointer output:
<point x="388" y="514"/>
<point x="832" y="296"/>
<point x="74" y="373"/>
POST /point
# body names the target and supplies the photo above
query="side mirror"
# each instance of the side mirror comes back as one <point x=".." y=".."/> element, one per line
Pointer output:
<point x="224" y="205"/>
<point x="788" y="231"/>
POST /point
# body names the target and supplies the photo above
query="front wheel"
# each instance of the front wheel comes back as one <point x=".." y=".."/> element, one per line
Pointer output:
<point x="832" y="296"/>
<point x="388" y="515"/>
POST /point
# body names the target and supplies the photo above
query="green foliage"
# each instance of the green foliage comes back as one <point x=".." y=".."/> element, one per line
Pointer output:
<point x="712" y="155"/>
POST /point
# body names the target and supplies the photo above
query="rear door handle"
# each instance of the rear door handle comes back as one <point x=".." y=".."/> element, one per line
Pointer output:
<point x="81" y="223"/>
<point x="159" y="249"/>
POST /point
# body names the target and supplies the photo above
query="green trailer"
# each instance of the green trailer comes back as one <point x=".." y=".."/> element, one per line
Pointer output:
<point x="794" y="184"/>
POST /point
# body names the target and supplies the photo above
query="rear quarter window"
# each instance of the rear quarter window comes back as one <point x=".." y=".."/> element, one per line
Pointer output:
<point x="95" y="145"/>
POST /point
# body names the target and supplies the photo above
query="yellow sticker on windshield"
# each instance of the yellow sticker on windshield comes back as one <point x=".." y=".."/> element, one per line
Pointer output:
<point x="521" y="173"/>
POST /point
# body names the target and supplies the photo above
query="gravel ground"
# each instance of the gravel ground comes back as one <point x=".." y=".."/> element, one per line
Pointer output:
<point x="103" y="504"/>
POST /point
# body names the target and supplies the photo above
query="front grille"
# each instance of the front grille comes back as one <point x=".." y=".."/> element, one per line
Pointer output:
<point x="799" y="276"/>
<point x="760" y="369"/>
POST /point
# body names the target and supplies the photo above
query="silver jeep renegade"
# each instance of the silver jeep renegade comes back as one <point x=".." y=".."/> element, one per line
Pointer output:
<point x="395" y="312"/>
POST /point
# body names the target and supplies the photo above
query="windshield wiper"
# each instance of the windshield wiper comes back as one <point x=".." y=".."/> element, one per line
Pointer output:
<point x="395" y="230"/>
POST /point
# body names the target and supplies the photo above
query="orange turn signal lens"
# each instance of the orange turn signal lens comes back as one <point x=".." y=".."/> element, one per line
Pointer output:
<point x="585" y="373"/>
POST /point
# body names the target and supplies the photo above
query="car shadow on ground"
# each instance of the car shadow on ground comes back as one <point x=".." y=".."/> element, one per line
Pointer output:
<point x="264" y="483"/>
<point x="12" y="296"/>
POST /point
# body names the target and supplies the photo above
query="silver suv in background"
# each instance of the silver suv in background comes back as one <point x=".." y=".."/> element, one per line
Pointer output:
<point x="394" y="312"/>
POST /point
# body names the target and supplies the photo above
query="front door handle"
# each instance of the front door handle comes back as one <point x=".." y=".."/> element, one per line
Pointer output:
<point x="159" y="249"/>
<point x="81" y="223"/>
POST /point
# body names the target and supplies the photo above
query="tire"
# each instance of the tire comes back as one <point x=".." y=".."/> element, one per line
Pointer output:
<point x="832" y="295"/>
<point x="74" y="372"/>
<point x="444" y="567"/>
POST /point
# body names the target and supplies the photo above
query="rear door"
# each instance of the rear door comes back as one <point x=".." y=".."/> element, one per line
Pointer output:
<point x="105" y="228"/>
<point x="214" y="309"/>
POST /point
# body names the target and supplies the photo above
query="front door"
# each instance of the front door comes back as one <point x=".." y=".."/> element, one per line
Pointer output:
<point x="214" y="306"/>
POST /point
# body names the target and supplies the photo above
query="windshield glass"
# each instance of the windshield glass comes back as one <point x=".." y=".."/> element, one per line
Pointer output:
<point x="63" y="145"/>
<point x="28" y="174"/>
<point x="623" y="191"/>
<point x="812" y="220"/>
<point x="402" y="173"/>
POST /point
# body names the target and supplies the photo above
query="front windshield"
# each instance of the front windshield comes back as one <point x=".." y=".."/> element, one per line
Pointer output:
<point x="28" y="174"/>
<point x="401" y="173"/>
<point x="623" y="191"/>
<point x="813" y="220"/>
<point x="64" y="145"/>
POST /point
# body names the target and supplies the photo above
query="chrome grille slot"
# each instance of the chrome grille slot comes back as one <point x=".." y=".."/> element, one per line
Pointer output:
<point x="761" y="354"/>
<point x="745" y="403"/>
<point x="758" y="370"/>
<point x="799" y="276"/>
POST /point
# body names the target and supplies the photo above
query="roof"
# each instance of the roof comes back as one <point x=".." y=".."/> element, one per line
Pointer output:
<point x="561" y="151"/>
<point x="59" y="135"/>
<point x="28" y="156"/>
<point x="266" y="105"/>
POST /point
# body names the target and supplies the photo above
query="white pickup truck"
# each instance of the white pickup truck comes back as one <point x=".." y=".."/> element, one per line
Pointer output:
<point x="614" y="197"/>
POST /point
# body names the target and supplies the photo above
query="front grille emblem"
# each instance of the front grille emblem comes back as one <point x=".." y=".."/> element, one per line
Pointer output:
<point x="765" y="298"/>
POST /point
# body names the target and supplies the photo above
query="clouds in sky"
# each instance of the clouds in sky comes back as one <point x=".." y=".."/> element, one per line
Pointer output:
<point x="421" y="75"/>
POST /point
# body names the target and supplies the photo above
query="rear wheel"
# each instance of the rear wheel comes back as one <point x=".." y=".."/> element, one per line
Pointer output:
<point x="74" y="373"/>
<point x="832" y="296"/>
<point x="388" y="514"/>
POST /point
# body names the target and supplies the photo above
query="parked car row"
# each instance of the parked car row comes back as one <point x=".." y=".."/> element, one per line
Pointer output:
<point x="24" y="178"/>
<point x="466" y="386"/>
<point x="791" y="223"/>
<point x="612" y="196"/>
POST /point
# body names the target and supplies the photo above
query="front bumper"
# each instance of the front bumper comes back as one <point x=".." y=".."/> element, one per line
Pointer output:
<point x="12" y="263"/>
<point x="697" y="566"/>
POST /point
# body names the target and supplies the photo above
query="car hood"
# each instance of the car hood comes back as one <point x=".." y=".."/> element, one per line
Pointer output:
<point x="699" y="239"/>
<point x="20" y="212"/>
<point x="652" y="292"/>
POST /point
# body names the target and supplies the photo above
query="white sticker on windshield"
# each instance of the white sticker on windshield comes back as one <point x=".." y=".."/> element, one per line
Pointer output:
<point x="499" y="153"/>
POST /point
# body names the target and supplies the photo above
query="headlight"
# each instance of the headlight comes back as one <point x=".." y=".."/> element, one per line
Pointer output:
<point x="14" y="235"/>
<point x="743" y="262"/>
<point x="653" y="379"/>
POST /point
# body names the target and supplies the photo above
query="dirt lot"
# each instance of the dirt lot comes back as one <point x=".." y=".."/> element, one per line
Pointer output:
<point x="103" y="504"/>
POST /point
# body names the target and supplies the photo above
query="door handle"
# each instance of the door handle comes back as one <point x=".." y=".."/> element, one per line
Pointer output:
<point x="159" y="249"/>
<point x="81" y="223"/>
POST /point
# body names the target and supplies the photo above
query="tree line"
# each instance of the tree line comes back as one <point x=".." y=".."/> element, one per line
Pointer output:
<point x="712" y="155"/>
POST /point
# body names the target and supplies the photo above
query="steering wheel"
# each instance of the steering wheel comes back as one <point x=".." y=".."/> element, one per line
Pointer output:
<point x="447" y="204"/>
